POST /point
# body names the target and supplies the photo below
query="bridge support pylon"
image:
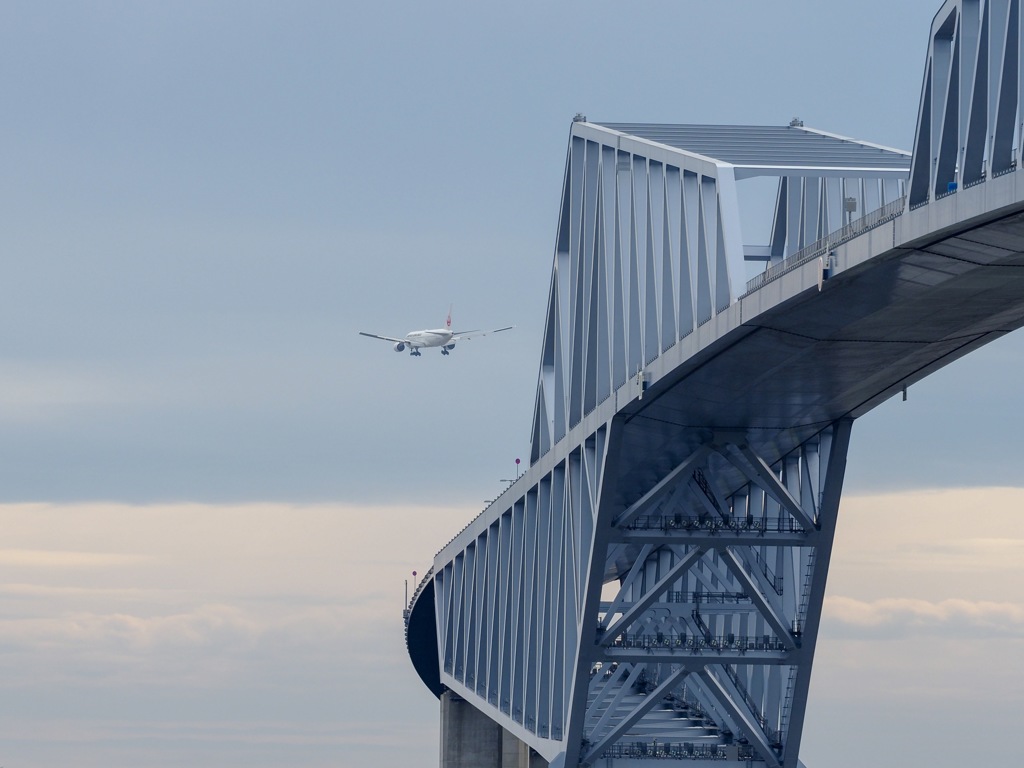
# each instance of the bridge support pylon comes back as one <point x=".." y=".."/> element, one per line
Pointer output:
<point x="470" y="739"/>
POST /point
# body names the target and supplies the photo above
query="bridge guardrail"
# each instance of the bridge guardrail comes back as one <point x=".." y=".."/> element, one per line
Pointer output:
<point x="697" y="643"/>
<point x="876" y="218"/>
<point x="415" y="595"/>
<point x="686" y="750"/>
<point x="679" y="522"/>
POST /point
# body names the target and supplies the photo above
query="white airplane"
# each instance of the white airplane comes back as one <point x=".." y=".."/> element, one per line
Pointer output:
<point x="444" y="338"/>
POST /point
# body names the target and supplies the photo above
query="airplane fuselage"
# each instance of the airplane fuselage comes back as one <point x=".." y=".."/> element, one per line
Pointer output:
<point x="429" y="338"/>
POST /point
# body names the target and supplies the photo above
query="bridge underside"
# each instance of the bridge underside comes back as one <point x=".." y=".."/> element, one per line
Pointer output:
<point x="835" y="353"/>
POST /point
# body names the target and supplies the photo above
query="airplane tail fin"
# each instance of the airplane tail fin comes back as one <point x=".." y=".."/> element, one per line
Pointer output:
<point x="448" y="322"/>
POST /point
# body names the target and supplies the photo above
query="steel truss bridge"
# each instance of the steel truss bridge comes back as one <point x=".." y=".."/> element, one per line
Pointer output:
<point x="651" y="588"/>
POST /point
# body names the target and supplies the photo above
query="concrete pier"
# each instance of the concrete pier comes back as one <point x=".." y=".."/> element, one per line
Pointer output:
<point x="470" y="739"/>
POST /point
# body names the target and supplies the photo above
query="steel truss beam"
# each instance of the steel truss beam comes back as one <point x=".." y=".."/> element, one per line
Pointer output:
<point x="744" y="663"/>
<point x="700" y="633"/>
<point x="717" y="538"/>
<point x="971" y="116"/>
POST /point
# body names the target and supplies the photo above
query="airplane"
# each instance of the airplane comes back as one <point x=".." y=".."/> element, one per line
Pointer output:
<point x="444" y="338"/>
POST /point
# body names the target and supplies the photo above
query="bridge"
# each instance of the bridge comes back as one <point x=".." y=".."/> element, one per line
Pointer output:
<point x="651" y="587"/>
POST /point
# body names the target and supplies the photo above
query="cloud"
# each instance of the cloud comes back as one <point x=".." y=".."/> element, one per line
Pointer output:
<point x="41" y="558"/>
<point x="142" y="600"/>
<point x="212" y="647"/>
<point x="889" y="616"/>
<point x="964" y="543"/>
<point x="988" y="554"/>
<point x="31" y="591"/>
<point x="208" y="625"/>
<point x="258" y="732"/>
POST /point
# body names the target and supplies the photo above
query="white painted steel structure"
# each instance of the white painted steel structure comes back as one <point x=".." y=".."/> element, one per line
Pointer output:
<point x="969" y="125"/>
<point x="651" y="587"/>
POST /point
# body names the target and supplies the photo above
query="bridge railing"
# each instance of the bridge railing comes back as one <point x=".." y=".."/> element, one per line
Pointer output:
<point x="876" y="218"/>
<point x="696" y="643"/>
<point x="416" y="594"/>
<point x="749" y="524"/>
<point x="686" y="750"/>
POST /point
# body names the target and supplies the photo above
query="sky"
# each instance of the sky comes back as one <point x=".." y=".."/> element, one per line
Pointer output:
<point x="213" y="491"/>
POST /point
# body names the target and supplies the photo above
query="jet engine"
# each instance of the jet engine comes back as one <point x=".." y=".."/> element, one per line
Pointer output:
<point x="399" y="347"/>
<point x="450" y="347"/>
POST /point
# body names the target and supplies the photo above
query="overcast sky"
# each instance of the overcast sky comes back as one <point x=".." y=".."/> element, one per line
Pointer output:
<point x="212" y="489"/>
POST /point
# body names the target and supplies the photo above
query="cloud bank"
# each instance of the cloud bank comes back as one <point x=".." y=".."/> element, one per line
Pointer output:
<point x="906" y="615"/>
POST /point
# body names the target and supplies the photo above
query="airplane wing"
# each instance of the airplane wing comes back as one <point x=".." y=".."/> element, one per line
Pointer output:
<point x="384" y="338"/>
<point x="471" y="334"/>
